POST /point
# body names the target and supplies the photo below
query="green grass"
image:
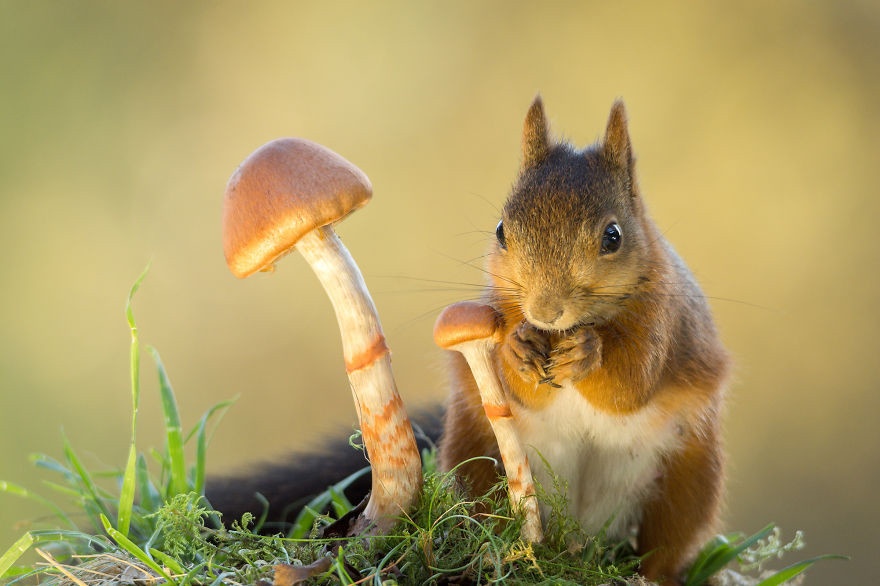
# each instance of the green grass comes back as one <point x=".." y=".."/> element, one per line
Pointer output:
<point x="149" y="521"/>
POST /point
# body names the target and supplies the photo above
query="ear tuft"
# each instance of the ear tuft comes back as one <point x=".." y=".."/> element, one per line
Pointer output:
<point x="536" y="135"/>
<point x="616" y="147"/>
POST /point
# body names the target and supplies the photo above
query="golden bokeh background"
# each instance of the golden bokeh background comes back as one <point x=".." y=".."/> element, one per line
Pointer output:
<point x="756" y="125"/>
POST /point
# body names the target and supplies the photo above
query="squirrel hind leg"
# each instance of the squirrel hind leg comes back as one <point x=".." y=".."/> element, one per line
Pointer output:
<point x="684" y="512"/>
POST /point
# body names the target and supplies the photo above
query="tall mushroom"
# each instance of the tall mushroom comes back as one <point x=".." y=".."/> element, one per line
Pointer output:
<point x="287" y="194"/>
<point x="472" y="329"/>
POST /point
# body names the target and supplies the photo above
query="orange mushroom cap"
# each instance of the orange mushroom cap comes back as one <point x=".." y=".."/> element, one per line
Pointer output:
<point x="283" y="190"/>
<point x="465" y="321"/>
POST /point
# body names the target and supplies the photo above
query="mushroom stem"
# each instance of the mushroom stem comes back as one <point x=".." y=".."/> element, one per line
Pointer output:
<point x="471" y="328"/>
<point x="513" y="456"/>
<point x="387" y="433"/>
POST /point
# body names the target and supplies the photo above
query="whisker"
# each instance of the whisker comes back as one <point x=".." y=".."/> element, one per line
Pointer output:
<point x="430" y="313"/>
<point x="426" y="280"/>
<point x="491" y="203"/>
<point x="502" y="277"/>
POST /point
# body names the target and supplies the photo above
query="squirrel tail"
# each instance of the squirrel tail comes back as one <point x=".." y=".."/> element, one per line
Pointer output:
<point x="289" y="484"/>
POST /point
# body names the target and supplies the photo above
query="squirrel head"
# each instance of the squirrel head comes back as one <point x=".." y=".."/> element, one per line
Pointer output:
<point x="574" y="241"/>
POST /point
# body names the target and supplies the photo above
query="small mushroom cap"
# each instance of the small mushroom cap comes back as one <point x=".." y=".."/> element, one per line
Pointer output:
<point x="283" y="190"/>
<point x="465" y="321"/>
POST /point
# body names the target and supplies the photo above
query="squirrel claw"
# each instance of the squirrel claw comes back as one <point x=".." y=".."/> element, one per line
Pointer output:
<point x="526" y="349"/>
<point x="576" y="355"/>
<point x="549" y="381"/>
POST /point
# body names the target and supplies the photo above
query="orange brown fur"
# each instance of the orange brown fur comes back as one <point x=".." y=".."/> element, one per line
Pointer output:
<point x="634" y="336"/>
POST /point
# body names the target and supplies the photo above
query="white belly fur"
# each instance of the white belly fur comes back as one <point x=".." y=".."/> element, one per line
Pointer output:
<point x="609" y="462"/>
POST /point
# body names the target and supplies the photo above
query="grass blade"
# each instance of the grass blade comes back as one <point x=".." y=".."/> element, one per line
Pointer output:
<point x="306" y="518"/>
<point x="65" y="490"/>
<point x="150" y="497"/>
<point x="126" y="494"/>
<point x="44" y="461"/>
<point x="201" y="459"/>
<point x="91" y="494"/>
<point x="177" y="483"/>
<point x="190" y="577"/>
<point x="132" y="548"/>
<point x="31" y="538"/>
<point x="720" y="554"/>
<point x="201" y="434"/>
<point x="789" y="572"/>
<point x="11" y="555"/>
<point x="169" y="561"/>
<point x="22" y="492"/>
<point x="219" y="409"/>
<point x="341" y="505"/>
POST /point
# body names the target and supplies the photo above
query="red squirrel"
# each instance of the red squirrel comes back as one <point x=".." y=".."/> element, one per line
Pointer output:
<point x="610" y="357"/>
<point x="612" y="363"/>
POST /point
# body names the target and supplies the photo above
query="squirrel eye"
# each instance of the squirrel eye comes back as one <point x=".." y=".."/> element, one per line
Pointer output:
<point x="499" y="234"/>
<point x="611" y="239"/>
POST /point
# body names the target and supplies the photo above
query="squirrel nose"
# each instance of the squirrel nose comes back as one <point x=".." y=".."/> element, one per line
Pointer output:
<point x="545" y="316"/>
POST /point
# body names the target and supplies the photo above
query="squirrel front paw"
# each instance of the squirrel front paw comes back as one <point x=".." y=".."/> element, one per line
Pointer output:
<point x="527" y="350"/>
<point x="575" y="356"/>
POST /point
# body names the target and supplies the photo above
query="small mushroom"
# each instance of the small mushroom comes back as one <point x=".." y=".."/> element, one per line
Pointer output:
<point x="472" y="329"/>
<point x="287" y="194"/>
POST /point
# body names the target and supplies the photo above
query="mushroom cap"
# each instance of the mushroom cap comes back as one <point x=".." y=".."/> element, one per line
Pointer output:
<point x="282" y="191"/>
<point x="465" y="321"/>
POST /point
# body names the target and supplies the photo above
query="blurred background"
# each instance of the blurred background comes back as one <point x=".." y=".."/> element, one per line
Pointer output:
<point x="756" y="126"/>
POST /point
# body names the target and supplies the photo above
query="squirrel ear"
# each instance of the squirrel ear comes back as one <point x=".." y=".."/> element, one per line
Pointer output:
<point x="536" y="135"/>
<point x="616" y="146"/>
